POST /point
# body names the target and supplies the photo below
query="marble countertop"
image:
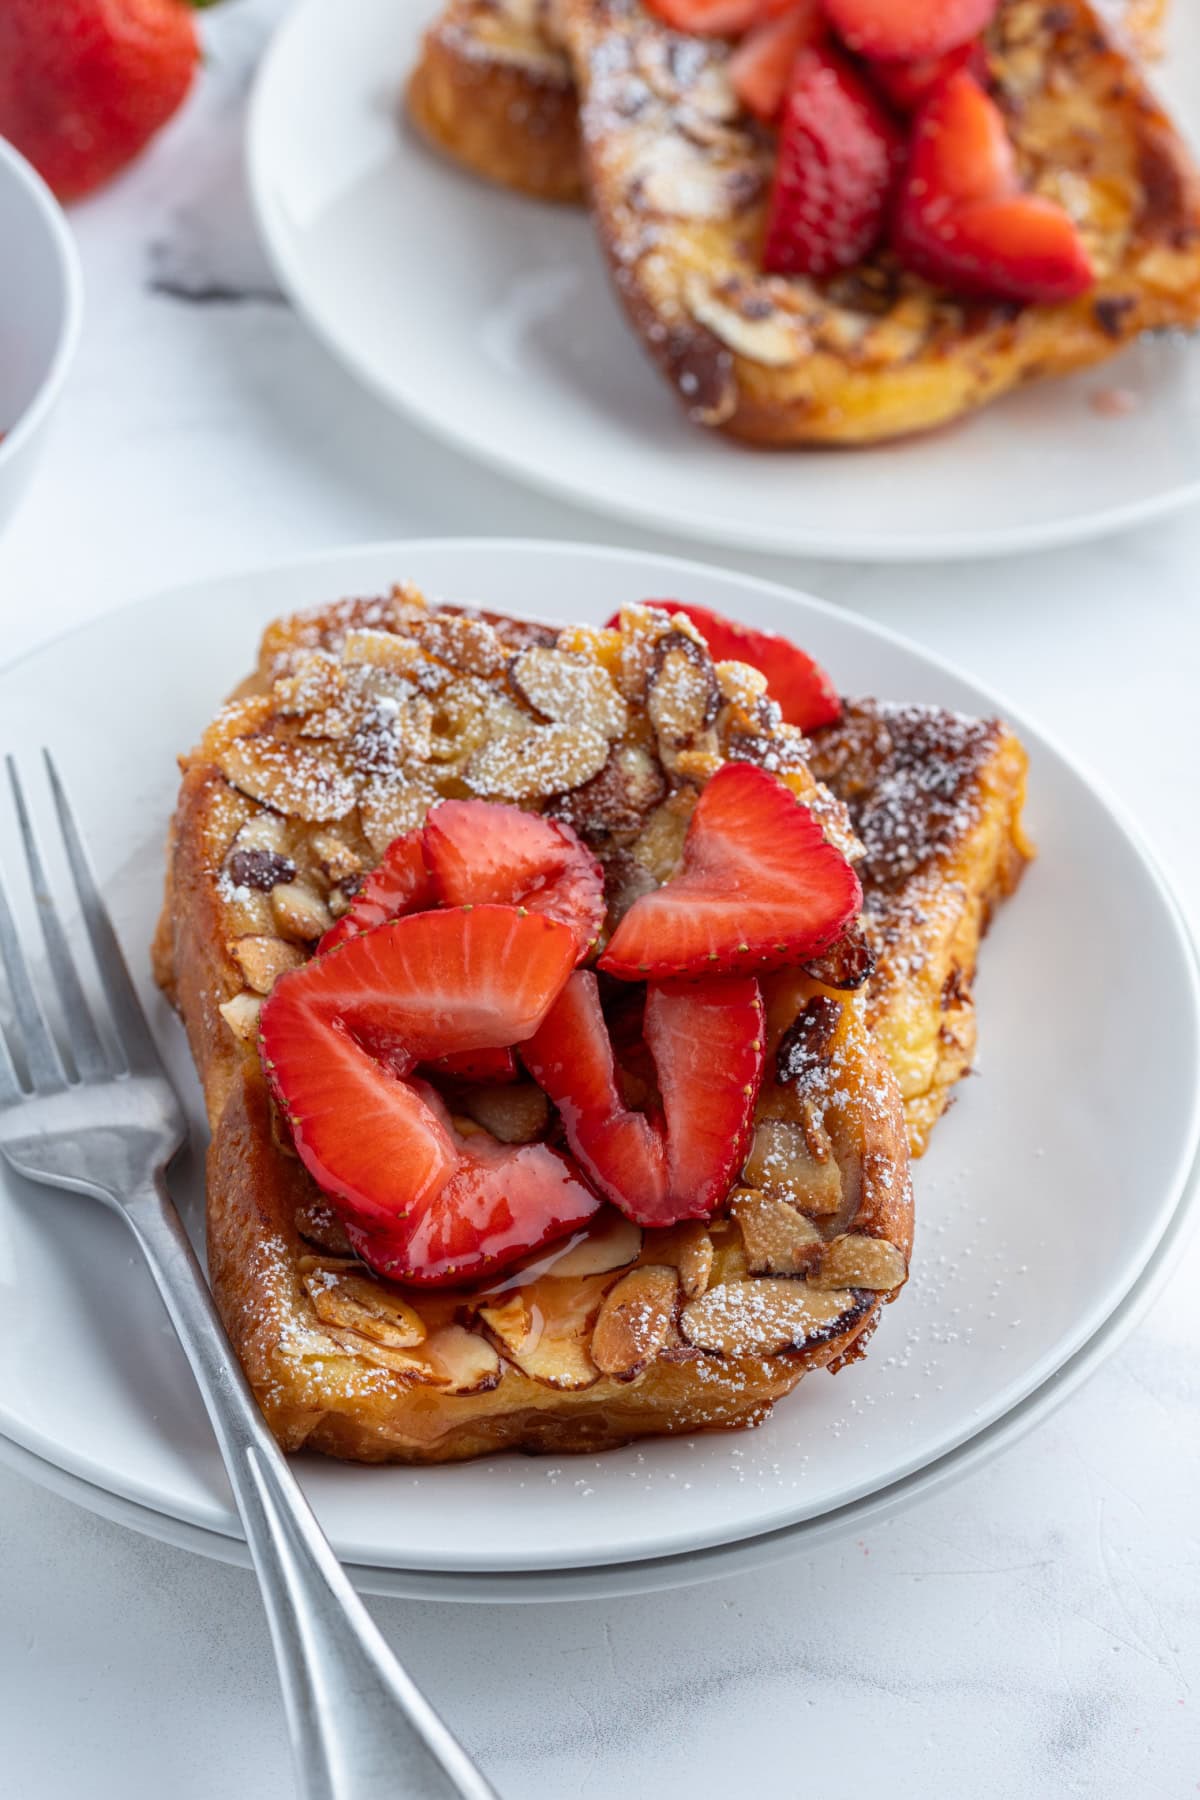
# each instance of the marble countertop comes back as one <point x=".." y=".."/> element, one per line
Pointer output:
<point x="1035" y="1630"/>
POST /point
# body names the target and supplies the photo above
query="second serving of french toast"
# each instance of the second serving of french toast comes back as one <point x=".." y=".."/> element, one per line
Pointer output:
<point x="365" y="718"/>
<point x="679" y="177"/>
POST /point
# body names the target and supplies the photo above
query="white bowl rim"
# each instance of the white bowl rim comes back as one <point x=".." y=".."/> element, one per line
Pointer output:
<point x="71" y="274"/>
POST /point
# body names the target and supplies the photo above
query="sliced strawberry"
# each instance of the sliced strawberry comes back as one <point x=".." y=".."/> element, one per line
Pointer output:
<point x="903" y="30"/>
<point x="399" y="885"/>
<point x="1022" y="248"/>
<point x="502" y="1202"/>
<point x="960" y="150"/>
<point x="477" y="1065"/>
<point x="708" y="18"/>
<point x="479" y="851"/>
<point x="960" y="221"/>
<point x="908" y="85"/>
<point x="707" y="1044"/>
<point x="761" y="66"/>
<point x="800" y="687"/>
<point x="835" y="170"/>
<point x="759" y="887"/>
<point x="340" y="1036"/>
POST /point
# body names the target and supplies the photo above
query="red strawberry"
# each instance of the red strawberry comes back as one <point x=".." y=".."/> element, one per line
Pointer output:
<point x="761" y="66"/>
<point x="84" y="84"/>
<point x="837" y="159"/>
<point x="477" y="1065"/>
<point x="715" y="18"/>
<point x="478" y="850"/>
<point x="707" y="1044"/>
<point x="909" y="84"/>
<point x="903" y="30"/>
<point x="340" y="1036"/>
<point x="802" y="690"/>
<point x="960" y="221"/>
<point x="400" y="884"/>
<point x="759" y="887"/>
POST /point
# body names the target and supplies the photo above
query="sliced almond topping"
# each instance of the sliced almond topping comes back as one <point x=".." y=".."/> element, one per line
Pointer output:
<point x="683" y="699"/>
<point x="515" y="1112"/>
<point x="286" y="773"/>
<point x="779" y="1240"/>
<point x="469" y="645"/>
<point x="740" y="685"/>
<point x="781" y="1163"/>
<point x="774" y="342"/>
<point x="300" y="913"/>
<point x="659" y="846"/>
<point x="762" y="1317"/>
<point x="393" y="804"/>
<point x="363" y="1307"/>
<point x="545" y="1330"/>
<point x="635" y="1321"/>
<point x="690" y="1248"/>
<point x="861" y="1262"/>
<point x="382" y="650"/>
<point x="678" y="179"/>
<point x="241" y="1016"/>
<point x="612" y="1243"/>
<point x="337" y="859"/>
<point x="263" y="960"/>
<point x="550" y="759"/>
<point x="570" y="690"/>
<point x="461" y="1360"/>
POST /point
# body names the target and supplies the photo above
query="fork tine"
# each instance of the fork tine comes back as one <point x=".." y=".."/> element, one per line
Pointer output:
<point x="10" y="1087"/>
<point x="137" y="1045"/>
<point x="45" y="1069"/>
<point x="86" y="1049"/>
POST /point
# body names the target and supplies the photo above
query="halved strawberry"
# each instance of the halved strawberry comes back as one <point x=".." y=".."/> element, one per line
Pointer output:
<point x="339" y="1038"/>
<point x="502" y="1202"/>
<point x="908" y="85"/>
<point x="707" y="1044"/>
<point x="959" y="219"/>
<point x="1020" y="248"/>
<point x="477" y="1065"/>
<point x="835" y="170"/>
<point x="480" y="851"/>
<point x="399" y="885"/>
<point x="761" y="66"/>
<point x="708" y="18"/>
<point x="902" y="30"/>
<point x="759" y="887"/>
<point x="800" y="687"/>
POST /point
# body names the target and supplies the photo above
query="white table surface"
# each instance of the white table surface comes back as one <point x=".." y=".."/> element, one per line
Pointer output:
<point x="1034" y="1632"/>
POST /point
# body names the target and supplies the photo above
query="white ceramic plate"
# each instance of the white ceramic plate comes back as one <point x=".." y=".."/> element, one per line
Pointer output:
<point x="488" y="318"/>
<point x="41" y="312"/>
<point x="1042" y="1202"/>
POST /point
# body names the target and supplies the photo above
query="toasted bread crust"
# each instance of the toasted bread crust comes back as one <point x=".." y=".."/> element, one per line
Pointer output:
<point x="342" y="1393"/>
<point x="879" y="355"/>
<point x="494" y="94"/>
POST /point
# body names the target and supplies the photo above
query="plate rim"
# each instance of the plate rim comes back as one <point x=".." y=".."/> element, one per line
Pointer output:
<point x="598" y="1581"/>
<point x="340" y="560"/>
<point x="930" y="546"/>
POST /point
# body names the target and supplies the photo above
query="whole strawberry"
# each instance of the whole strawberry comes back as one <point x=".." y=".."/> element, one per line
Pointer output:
<point x="85" y="84"/>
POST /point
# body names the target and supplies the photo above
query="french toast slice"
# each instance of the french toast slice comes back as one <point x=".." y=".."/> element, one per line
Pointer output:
<point x="679" y="180"/>
<point x="936" y="800"/>
<point x="359" y="717"/>
<point x="494" y="90"/>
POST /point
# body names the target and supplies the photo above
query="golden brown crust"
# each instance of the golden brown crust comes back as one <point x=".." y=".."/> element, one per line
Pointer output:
<point x="937" y="800"/>
<point x="877" y="355"/>
<point x="342" y="1361"/>
<point x="491" y="92"/>
<point x="780" y="361"/>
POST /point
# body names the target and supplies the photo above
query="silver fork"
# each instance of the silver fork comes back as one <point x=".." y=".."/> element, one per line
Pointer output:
<point x="360" y="1728"/>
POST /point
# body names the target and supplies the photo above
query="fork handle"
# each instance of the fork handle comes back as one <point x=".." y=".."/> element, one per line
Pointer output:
<point x="360" y="1728"/>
